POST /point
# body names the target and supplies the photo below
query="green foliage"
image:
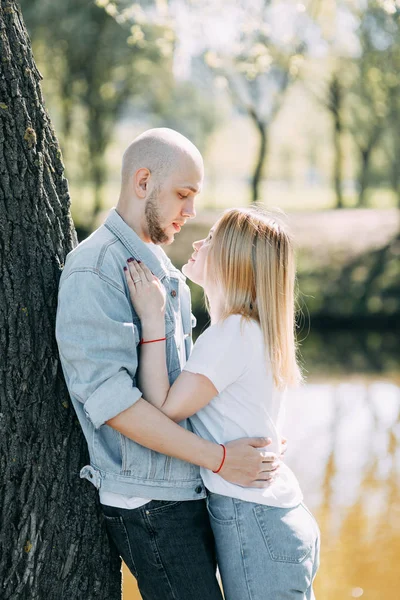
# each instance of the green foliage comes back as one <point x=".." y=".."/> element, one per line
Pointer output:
<point x="260" y="67"/>
<point x="188" y="110"/>
<point x="97" y="64"/>
<point x="373" y="80"/>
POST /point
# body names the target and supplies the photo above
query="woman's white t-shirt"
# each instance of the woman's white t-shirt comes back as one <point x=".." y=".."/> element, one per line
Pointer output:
<point x="231" y="355"/>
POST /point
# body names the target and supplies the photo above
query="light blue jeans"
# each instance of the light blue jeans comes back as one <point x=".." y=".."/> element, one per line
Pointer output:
<point x="263" y="552"/>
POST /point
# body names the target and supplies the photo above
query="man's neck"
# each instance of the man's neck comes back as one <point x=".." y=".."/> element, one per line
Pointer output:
<point x="134" y="221"/>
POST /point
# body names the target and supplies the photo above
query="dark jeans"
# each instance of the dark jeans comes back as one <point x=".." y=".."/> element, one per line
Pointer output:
<point x="169" y="548"/>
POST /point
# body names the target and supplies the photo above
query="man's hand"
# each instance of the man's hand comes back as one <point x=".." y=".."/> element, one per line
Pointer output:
<point x="248" y="464"/>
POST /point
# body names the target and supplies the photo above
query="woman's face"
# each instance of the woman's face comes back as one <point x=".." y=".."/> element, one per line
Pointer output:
<point x="194" y="269"/>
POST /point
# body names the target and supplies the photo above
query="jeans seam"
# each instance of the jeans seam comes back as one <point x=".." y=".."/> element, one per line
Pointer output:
<point x="157" y="553"/>
<point x="129" y="544"/>
<point x="236" y="505"/>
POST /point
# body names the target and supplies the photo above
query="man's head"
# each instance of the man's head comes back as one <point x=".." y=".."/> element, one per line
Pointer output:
<point x="162" y="172"/>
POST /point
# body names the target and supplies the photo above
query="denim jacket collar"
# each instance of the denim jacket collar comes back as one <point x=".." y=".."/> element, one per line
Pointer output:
<point x="134" y="244"/>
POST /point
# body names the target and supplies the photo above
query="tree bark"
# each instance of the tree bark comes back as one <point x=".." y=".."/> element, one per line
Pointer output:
<point x="53" y="542"/>
<point x="257" y="177"/>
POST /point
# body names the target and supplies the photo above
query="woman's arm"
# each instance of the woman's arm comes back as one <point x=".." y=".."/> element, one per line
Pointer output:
<point x="190" y="392"/>
<point x="152" y="370"/>
<point x="148" y="299"/>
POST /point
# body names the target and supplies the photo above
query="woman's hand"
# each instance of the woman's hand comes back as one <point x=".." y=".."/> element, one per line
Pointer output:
<point x="146" y="292"/>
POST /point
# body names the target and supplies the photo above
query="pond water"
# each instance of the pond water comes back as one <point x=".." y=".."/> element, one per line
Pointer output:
<point x="343" y="429"/>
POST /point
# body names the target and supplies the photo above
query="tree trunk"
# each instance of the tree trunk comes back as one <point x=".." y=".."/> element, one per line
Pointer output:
<point x="257" y="177"/>
<point x="338" y="161"/>
<point x="365" y="154"/>
<point x="99" y="138"/>
<point x="53" y="543"/>
<point x="335" y="101"/>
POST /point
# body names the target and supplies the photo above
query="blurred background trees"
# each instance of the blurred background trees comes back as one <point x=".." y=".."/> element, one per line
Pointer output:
<point x="95" y="66"/>
<point x="293" y="104"/>
<point x="113" y="67"/>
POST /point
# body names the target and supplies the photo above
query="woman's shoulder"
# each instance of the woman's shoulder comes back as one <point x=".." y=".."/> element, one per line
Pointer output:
<point x="233" y="326"/>
<point x="238" y="327"/>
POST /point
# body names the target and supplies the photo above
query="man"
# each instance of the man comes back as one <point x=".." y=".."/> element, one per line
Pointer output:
<point x="144" y="465"/>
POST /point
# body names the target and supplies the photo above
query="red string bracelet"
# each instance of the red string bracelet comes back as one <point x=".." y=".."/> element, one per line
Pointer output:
<point x="151" y="341"/>
<point x="223" y="460"/>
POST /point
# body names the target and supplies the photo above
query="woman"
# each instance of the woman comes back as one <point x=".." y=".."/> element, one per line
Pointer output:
<point x="232" y="386"/>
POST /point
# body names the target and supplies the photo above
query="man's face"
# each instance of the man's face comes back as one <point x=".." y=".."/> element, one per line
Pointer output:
<point x="170" y="204"/>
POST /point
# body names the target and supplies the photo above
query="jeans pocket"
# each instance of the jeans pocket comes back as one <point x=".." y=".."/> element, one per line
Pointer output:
<point x="117" y="531"/>
<point x="289" y="533"/>
<point x="221" y="509"/>
<point x="157" y="506"/>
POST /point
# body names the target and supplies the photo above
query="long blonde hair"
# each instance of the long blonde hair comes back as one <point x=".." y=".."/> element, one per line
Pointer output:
<point x="251" y="260"/>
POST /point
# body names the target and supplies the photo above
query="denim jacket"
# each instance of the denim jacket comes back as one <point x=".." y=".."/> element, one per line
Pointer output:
<point x="98" y="333"/>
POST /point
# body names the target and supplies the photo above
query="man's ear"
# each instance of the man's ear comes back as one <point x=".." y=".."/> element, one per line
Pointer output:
<point x="141" y="182"/>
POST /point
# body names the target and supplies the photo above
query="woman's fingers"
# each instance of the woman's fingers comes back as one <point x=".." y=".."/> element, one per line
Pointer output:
<point x="137" y="276"/>
<point x="147" y="274"/>
<point x="140" y="271"/>
<point x="129" y="280"/>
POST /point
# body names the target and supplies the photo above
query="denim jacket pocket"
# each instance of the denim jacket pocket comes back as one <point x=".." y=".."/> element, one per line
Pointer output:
<point x="136" y="461"/>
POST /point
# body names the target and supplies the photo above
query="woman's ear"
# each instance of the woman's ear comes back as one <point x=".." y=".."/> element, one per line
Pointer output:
<point x="141" y="182"/>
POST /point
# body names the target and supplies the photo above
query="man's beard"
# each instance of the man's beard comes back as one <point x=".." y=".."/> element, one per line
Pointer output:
<point x="156" y="232"/>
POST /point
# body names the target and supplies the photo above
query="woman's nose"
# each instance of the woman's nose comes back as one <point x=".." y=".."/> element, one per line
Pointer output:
<point x="197" y="245"/>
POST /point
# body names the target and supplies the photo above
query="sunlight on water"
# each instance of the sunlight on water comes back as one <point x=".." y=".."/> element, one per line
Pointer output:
<point x="344" y="446"/>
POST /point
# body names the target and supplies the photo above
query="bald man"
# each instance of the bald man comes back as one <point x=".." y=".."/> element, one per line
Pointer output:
<point x="145" y="467"/>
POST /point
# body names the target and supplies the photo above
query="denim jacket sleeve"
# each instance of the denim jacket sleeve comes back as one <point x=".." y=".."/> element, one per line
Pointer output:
<point x="97" y="341"/>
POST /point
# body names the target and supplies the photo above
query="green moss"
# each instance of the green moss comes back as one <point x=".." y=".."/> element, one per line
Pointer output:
<point x="30" y="137"/>
<point x="3" y="106"/>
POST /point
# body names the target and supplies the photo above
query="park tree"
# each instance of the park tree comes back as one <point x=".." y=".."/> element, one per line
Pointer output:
<point x="332" y="100"/>
<point x="385" y="20"/>
<point x="262" y="64"/>
<point x="53" y="542"/>
<point x="367" y="109"/>
<point x="186" y="108"/>
<point x="98" y="59"/>
<point x="254" y="48"/>
<point x="374" y="75"/>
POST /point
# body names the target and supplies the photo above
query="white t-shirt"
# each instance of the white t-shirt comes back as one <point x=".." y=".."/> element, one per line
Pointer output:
<point x="231" y="355"/>
<point x="122" y="500"/>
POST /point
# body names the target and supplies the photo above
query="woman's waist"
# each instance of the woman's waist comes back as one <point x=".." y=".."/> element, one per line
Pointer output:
<point x="284" y="491"/>
<point x="227" y="429"/>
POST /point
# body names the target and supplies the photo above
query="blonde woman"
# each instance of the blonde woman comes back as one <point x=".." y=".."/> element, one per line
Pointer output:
<point x="232" y="386"/>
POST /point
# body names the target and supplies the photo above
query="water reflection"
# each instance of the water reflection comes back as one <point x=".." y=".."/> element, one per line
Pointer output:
<point x="344" y="431"/>
<point x="343" y="428"/>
